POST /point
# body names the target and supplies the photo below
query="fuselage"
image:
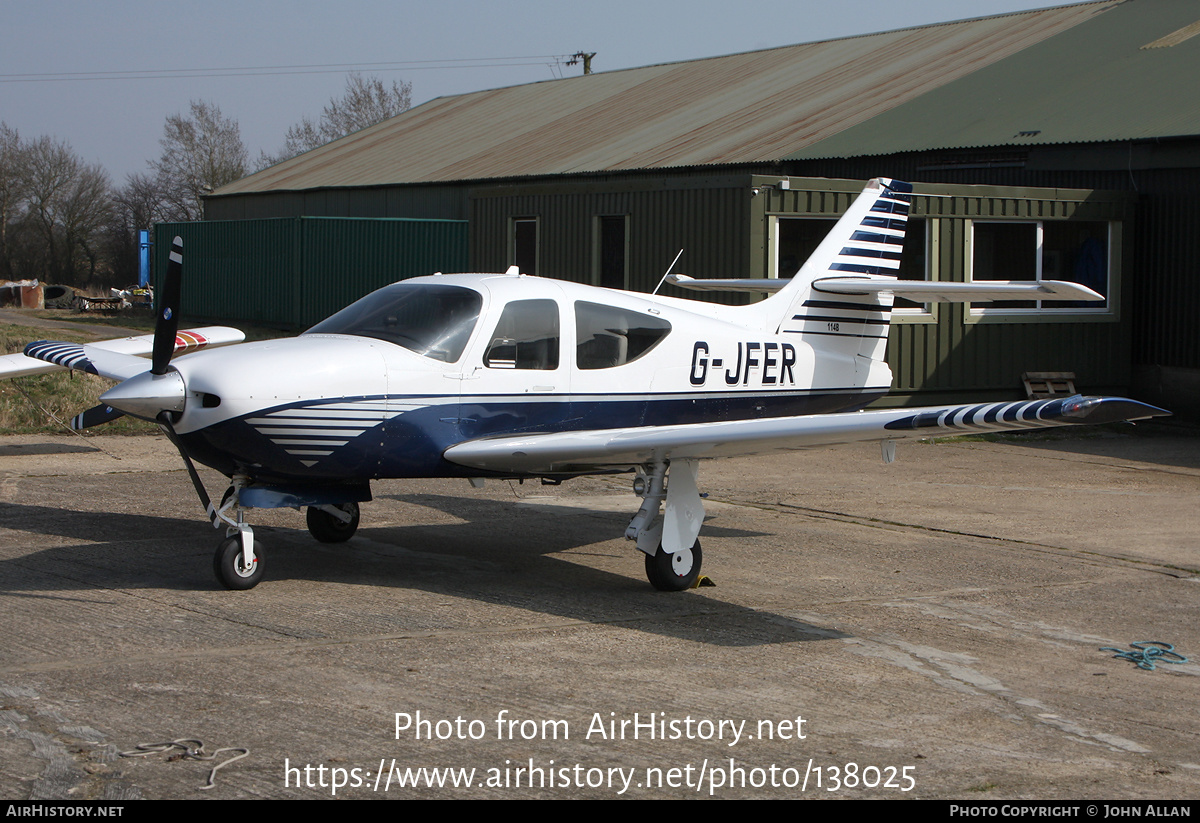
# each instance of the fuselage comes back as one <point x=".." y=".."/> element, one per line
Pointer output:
<point x="384" y="387"/>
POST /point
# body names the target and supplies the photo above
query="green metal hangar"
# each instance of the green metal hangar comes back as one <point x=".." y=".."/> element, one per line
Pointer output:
<point x="1062" y="143"/>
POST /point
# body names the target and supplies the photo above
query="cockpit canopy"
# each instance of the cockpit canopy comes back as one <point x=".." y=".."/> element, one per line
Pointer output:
<point x="436" y="320"/>
<point x="432" y="320"/>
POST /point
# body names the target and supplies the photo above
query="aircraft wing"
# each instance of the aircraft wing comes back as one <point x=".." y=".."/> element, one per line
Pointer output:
<point x="52" y="356"/>
<point x="565" y="452"/>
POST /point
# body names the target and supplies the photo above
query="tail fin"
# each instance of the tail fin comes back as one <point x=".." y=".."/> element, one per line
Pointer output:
<point x="867" y="242"/>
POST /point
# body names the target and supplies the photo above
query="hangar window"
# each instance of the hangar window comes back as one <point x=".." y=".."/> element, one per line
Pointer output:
<point x="526" y="337"/>
<point x="607" y="336"/>
<point x="915" y="264"/>
<point x="795" y="241"/>
<point x="1078" y="251"/>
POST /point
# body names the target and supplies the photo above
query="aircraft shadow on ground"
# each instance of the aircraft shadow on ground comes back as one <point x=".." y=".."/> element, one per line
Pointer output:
<point x="1153" y="443"/>
<point x="31" y="449"/>
<point x="485" y="559"/>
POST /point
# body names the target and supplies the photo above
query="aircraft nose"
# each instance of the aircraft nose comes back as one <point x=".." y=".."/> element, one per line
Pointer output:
<point x="147" y="395"/>
<point x="251" y="379"/>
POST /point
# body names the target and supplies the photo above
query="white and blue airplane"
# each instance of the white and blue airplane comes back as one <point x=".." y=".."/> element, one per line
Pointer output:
<point x="476" y="376"/>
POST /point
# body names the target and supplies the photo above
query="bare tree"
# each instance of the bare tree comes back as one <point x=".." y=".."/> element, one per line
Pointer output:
<point x="201" y="152"/>
<point x="141" y="203"/>
<point x="137" y="205"/>
<point x="12" y="191"/>
<point x="68" y="207"/>
<point x="366" y="101"/>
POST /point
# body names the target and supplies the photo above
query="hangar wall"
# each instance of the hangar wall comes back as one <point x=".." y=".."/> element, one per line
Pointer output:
<point x="707" y="216"/>
<point x="734" y="225"/>
<point x="294" y="271"/>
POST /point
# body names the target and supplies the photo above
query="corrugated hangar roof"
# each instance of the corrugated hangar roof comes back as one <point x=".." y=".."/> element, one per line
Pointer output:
<point x="1126" y="74"/>
<point x="1057" y="73"/>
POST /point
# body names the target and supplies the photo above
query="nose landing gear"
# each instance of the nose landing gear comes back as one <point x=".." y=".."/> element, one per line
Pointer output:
<point x="236" y="564"/>
<point x="333" y="516"/>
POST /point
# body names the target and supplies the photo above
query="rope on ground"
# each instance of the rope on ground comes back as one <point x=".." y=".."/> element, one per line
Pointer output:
<point x="1147" y="653"/>
<point x="17" y="385"/>
<point x="190" y="752"/>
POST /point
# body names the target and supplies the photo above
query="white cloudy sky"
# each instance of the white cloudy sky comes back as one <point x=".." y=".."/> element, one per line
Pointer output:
<point x="450" y="46"/>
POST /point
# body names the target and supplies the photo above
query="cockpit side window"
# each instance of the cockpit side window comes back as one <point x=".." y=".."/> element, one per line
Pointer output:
<point x="607" y="336"/>
<point x="526" y="337"/>
<point x="431" y="320"/>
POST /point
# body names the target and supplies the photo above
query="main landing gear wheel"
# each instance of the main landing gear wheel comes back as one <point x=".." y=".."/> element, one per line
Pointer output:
<point x="230" y="565"/>
<point x="674" y="572"/>
<point x="329" y="529"/>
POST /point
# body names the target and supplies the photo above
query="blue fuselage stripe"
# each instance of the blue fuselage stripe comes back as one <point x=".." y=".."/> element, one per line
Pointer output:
<point x="411" y="443"/>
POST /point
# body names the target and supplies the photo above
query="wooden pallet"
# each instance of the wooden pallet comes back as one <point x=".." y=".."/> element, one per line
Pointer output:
<point x="1043" y="384"/>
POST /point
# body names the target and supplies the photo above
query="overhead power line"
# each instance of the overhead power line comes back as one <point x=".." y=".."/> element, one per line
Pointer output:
<point x="263" y="71"/>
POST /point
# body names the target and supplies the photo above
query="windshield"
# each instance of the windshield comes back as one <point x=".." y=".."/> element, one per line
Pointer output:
<point x="431" y="320"/>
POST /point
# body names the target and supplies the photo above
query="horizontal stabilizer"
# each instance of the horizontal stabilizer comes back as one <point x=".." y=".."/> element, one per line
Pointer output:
<point x="929" y="291"/>
<point x="90" y="359"/>
<point x="57" y="356"/>
<point x="920" y="291"/>
<point x="628" y="447"/>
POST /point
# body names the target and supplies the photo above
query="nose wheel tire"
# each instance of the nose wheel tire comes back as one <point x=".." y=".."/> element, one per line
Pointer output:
<point x="327" y="528"/>
<point x="674" y="572"/>
<point x="229" y="563"/>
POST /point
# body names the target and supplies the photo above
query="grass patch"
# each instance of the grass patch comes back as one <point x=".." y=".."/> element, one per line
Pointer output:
<point x="26" y="403"/>
<point x="125" y="319"/>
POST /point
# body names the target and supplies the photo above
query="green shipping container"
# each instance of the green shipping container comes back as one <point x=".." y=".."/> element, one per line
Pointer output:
<point x="295" y="271"/>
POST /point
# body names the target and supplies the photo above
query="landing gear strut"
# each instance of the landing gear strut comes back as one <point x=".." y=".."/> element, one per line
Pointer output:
<point x="672" y="551"/>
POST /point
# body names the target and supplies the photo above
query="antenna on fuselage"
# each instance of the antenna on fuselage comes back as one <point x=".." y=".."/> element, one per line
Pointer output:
<point x="667" y="272"/>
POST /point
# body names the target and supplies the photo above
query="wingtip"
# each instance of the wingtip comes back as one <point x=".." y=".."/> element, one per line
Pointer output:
<point x="1098" y="410"/>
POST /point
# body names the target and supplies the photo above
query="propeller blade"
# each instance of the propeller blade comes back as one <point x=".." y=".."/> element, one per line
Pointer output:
<point x="95" y="416"/>
<point x="168" y="311"/>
